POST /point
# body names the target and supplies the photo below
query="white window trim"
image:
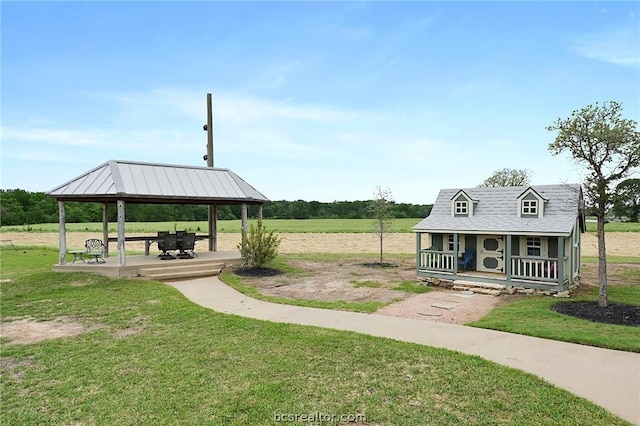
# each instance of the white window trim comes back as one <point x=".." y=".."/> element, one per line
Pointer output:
<point x="530" y="205"/>
<point x="446" y="244"/>
<point x="461" y="207"/>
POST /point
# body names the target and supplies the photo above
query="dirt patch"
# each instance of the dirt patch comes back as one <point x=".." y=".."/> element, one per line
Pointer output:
<point x="448" y="306"/>
<point x="27" y="330"/>
<point x="347" y="280"/>
<point x="358" y="280"/>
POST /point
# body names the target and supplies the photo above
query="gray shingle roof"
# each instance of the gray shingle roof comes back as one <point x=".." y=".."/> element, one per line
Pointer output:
<point x="497" y="211"/>
<point x="158" y="183"/>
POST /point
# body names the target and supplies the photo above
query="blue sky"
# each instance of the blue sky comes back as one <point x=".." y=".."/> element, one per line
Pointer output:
<point x="312" y="100"/>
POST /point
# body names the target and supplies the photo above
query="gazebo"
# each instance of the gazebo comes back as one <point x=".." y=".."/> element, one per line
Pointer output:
<point x="123" y="182"/>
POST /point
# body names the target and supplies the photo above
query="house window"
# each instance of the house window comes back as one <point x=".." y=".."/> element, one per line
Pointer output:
<point x="530" y="207"/>
<point x="450" y="246"/>
<point x="450" y="243"/>
<point x="461" y="207"/>
<point x="534" y="246"/>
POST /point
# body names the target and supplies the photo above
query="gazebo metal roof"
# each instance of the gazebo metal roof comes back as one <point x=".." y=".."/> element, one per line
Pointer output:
<point x="158" y="183"/>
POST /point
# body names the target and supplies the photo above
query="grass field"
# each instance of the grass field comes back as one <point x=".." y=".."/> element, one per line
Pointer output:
<point x="148" y="356"/>
<point x="278" y="225"/>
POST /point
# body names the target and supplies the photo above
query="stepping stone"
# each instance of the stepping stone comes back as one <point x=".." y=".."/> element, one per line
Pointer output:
<point x="430" y="314"/>
<point x="444" y="305"/>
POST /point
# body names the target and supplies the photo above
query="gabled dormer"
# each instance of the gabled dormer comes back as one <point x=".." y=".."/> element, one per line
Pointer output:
<point x="462" y="205"/>
<point x="531" y="204"/>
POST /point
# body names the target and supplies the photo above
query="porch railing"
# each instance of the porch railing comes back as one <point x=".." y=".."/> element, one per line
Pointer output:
<point x="437" y="260"/>
<point x="539" y="269"/>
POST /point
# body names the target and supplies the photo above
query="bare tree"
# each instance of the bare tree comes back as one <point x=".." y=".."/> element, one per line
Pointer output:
<point x="609" y="147"/>
<point x="507" y="177"/>
<point x="380" y="209"/>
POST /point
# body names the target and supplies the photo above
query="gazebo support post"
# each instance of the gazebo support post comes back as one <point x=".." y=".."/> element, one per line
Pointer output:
<point x="213" y="227"/>
<point x="105" y="228"/>
<point x="244" y="217"/>
<point x="62" y="232"/>
<point x="122" y="260"/>
<point x="259" y="211"/>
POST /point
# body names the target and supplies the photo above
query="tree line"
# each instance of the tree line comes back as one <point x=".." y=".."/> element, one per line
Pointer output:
<point x="20" y="207"/>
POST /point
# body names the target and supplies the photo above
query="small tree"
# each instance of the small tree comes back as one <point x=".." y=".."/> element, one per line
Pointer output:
<point x="609" y="146"/>
<point x="380" y="209"/>
<point x="626" y="201"/>
<point x="258" y="246"/>
<point x="507" y="177"/>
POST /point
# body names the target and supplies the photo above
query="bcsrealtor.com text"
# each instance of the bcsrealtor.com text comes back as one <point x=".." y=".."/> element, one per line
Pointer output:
<point x="318" y="417"/>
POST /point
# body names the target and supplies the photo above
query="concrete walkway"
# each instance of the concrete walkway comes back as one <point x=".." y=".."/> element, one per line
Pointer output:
<point x="606" y="377"/>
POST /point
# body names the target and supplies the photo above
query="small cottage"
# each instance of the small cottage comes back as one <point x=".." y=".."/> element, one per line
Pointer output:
<point x="504" y="237"/>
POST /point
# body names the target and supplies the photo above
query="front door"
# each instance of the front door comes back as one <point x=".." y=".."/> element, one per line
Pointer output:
<point x="491" y="254"/>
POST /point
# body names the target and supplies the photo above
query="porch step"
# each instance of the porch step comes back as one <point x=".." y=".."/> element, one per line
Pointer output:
<point x="479" y="287"/>
<point x="186" y="268"/>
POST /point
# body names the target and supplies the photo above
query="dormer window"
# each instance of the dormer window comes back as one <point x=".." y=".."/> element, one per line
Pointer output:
<point x="531" y="204"/>
<point x="530" y="207"/>
<point x="462" y="205"/>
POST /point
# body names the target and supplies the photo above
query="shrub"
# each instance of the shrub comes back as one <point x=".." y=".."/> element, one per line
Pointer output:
<point x="258" y="246"/>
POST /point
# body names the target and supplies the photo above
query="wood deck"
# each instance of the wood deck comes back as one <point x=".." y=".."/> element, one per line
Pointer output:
<point x="136" y="265"/>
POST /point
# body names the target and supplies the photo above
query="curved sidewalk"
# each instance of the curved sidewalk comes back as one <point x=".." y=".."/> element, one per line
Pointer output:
<point x="606" y="377"/>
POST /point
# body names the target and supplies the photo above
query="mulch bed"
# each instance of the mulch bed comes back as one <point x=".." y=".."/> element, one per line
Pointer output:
<point x="255" y="272"/>
<point x="614" y="313"/>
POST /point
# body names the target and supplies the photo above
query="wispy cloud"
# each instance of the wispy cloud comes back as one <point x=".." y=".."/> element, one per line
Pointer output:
<point x="620" y="47"/>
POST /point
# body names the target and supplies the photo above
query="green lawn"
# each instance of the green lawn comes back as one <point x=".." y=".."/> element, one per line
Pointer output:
<point x="532" y="316"/>
<point x="151" y="357"/>
<point x="278" y="225"/>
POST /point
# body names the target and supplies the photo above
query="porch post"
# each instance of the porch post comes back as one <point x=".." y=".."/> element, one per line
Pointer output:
<point x="456" y="252"/>
<point x="561" y="262"/>
<point x="507" y="257"/>
<point x="122" y="260"/>
<point x="418" y="248"/>
<point x="105" y="227"/>
<point x="62" y="234"/>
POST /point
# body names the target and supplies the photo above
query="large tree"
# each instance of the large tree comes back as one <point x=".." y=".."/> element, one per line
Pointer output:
<point x="626" y="201"/>
<point x="608" y="145"/>
<point x="507" y="177"/>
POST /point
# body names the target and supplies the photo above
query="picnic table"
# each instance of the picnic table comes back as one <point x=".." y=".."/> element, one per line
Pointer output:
<point x="148" y="240"/>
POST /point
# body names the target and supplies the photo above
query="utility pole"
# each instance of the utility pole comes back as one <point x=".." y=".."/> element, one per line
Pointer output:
<point x="213" y="211"/>
<point x="209" y="130"/>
